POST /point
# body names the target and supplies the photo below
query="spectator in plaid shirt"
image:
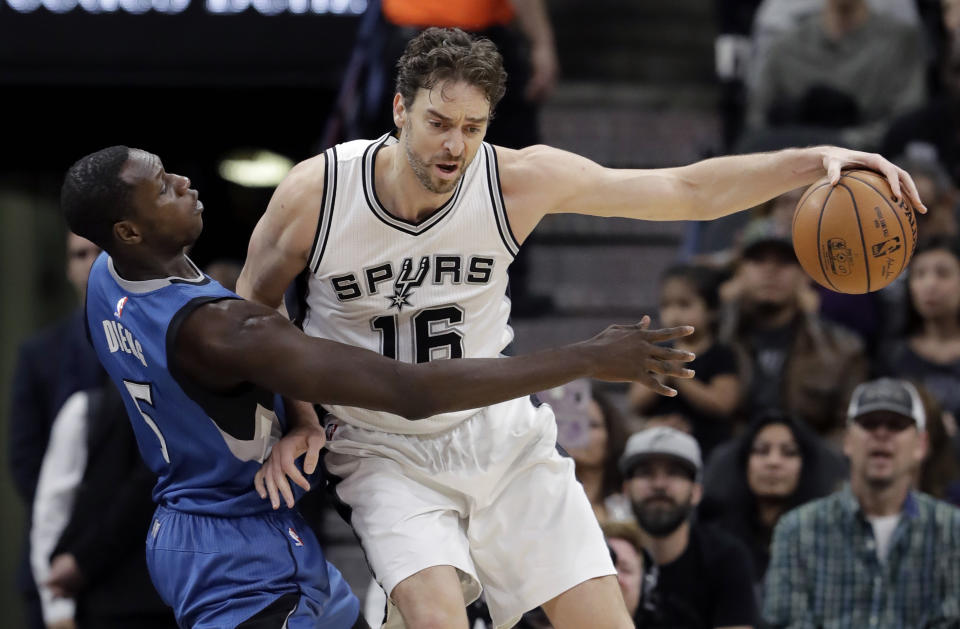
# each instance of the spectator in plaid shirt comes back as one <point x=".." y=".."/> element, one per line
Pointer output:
<point x="876" y="553"/>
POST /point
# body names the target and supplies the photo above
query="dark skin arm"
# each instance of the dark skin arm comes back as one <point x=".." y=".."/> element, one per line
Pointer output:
<point x="226" y="343"/>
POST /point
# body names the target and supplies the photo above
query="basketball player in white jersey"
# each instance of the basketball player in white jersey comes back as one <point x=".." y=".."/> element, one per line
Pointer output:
<point x="401" y="246"/>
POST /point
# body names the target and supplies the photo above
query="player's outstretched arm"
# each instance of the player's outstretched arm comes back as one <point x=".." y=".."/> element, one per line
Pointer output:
<point x="228" y="342"/>
<point x="542" y="180"/>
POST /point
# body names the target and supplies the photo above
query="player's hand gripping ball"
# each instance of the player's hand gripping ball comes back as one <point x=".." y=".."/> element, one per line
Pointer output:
<point x="854" y="237"/>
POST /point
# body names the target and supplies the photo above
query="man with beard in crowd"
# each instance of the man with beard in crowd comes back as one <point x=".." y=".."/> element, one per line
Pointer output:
<point x="701" y="577"/>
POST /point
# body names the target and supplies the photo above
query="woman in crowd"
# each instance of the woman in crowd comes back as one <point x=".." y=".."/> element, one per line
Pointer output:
<point x="689" y="296"/>
<point x="774" y="466"/>
<point x="929" y="352"/>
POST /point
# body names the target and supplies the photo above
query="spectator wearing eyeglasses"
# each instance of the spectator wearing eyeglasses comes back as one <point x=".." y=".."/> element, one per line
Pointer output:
<point x="877" y="553"/>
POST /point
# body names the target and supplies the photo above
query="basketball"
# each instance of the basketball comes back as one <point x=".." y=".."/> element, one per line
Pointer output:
<point x="853" y="237"/>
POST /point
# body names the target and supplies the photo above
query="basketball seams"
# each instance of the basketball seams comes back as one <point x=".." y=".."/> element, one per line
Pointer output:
<point x="823" y="269"/>
<point x="903" y="232"/>
<point x="863" y="240"/>
<point x="803" y="199"/>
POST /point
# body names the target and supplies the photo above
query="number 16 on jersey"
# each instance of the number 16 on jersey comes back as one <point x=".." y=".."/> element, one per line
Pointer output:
<point x="435" y="331"/>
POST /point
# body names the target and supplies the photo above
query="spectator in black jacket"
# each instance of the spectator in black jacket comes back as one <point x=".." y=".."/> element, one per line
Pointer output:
<point x="702" y="575"/>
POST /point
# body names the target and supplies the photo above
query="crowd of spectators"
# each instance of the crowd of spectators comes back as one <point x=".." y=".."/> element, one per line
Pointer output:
<point x="805" y="477"/>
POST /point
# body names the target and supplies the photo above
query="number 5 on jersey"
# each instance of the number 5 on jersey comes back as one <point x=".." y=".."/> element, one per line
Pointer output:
<point x="142" y="392"/>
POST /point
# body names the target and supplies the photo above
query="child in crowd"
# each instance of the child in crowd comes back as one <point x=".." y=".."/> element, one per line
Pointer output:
<point x="689" y="296"/>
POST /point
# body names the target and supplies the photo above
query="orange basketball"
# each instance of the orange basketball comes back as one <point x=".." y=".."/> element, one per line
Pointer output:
<point x="853" y="237"/>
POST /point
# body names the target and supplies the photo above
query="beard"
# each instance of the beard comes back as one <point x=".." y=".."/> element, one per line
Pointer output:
<point x="659" y="520"/>
<point x="422" y="171"/>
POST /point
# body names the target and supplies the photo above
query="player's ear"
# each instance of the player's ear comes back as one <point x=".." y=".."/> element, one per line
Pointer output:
<point x="399" y="111"/>
<point x="126" y="233"/>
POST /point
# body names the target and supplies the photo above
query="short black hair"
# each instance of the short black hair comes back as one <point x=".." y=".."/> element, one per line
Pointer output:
<point x="93" y="196"/>
<point x="704" y="280"/>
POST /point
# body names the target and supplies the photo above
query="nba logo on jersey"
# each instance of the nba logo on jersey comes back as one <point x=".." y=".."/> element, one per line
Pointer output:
<point x="296" y="538"/>
<point x="120" y="304"/>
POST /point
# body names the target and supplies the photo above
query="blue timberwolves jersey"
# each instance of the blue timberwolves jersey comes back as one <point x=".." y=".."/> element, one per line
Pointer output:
<point x="204" y="448"/>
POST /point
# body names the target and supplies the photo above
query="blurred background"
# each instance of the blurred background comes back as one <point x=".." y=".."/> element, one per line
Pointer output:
<point x="232" y="92"/>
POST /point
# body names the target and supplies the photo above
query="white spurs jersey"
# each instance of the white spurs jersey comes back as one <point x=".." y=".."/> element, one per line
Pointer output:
<point x="411" y="291"/>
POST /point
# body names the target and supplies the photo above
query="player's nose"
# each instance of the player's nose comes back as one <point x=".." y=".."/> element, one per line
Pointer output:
<point x="181" y="183"/>
<point x="454" y="142"/>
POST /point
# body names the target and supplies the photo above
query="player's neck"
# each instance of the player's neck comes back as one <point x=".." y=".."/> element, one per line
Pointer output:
<point x="398" y="188"/>
<point x="138" y="270"/>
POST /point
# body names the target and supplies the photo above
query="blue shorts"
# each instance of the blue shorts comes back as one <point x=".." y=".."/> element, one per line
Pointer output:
<point x="219" y="572"/>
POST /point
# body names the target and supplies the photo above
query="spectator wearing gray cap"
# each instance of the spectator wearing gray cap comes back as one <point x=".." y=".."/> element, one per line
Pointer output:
<point x="702" y="577"/>
<point x="877" y="553"/>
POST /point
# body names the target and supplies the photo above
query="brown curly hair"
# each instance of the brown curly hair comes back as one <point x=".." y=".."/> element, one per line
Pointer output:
<point x="449" y="54"/>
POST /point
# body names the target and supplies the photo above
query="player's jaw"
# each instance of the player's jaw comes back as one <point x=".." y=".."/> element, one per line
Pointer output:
<point x="438" y="174"/>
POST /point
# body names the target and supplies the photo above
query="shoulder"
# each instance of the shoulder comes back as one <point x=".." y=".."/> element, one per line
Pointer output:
<point x="943" y="515"/>
<point x="216" y="339"/>
<point x="514" y="163"/>
<point x="547" y="178"/>
<point x="305" y="180"/>
<point x="221" y="316"/>
<point x="805" y="517"/>
<point x="354" y="149"/>
<point x="840" y="337"/>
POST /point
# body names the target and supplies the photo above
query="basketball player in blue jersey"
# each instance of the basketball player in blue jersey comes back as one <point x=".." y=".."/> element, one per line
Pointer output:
<point x="401" y="245"/>
<point x="199" y="370"/>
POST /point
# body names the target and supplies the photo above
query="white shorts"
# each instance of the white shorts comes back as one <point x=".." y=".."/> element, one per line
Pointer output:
<point x="491" y="497"/>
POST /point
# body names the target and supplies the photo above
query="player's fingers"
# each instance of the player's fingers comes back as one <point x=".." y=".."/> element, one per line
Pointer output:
<point x="833" y="171"/>
<point x="666" y="334"/>
<point x="660" y="352"/>
<point x="656" y="386"/>
<point x="644" y="322"/>
<point x="912" y="192"/>
<point x="667" y="368"/>
<point x="892" y="175"/>
<point x="291" y="470"/>
<point x="314" y="445"/>
<point x="272" y="491"/>
<point x="258" y="483"/>
<point x="286" y="491"/>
